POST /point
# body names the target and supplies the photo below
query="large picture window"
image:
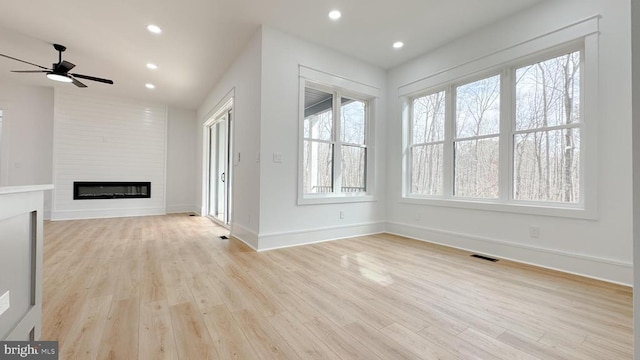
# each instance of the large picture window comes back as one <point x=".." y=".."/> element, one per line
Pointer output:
<point x="510" y="136"/>
<point x="334" y="143"/>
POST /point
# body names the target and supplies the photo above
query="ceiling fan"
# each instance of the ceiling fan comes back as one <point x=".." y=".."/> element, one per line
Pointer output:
<point x="60" y="71"/>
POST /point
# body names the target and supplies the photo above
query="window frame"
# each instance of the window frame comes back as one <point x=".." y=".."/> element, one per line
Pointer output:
<point x="412" y="145"/>
<point x="338" y="92"/>
<point x="453" y="118"/>
<point x="582" y="36"/>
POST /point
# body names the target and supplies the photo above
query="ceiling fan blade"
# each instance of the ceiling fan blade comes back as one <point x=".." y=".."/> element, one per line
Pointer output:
<point x="29" y="71"/>
<point x="64" y="67"/>
<point x="26" y="62"/>
<point x="92" y="78"/>
<point x="78" y="83"/>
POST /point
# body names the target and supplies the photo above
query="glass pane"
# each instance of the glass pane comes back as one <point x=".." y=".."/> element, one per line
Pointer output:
<point x="478" y="108"/>
<point x="548" y="93"/>
<point x="354" y="170"/>
<point x="547" y="166"/>
<point x="476" y="168"/>
<point x="353" y="123"/>
<point x="428" y="118"/>
<point x="426" y="169"/>
<point x="318" y="114"/>
<point x="318" y="167"/>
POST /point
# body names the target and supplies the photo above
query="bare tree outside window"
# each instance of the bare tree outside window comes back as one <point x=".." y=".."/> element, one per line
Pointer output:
<point x="476" y="147"/>
<point x="464" y="141"/>
<point x="547" y="136"/>
<point x="427" y="149"/>
<point x="354" y="152"/>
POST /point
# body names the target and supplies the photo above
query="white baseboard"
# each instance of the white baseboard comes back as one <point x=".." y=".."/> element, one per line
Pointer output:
<point x="104" y="213"/>
<point x="311" y="236"/>
<point x="609" y="270"/>
<point x="178" y="209"/>
<point x="245" y="235"/>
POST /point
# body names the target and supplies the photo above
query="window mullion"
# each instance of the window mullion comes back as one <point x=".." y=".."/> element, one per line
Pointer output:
<point x="507" y="119"/>
<point x="337" y="141"/>
<point x="449" y="130"/>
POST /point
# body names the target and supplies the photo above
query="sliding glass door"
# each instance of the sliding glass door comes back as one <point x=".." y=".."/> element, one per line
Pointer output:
<point x="219" y="169"/>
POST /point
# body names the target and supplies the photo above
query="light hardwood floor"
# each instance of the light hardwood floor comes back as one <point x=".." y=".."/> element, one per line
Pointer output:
<point x="167" y="287"/>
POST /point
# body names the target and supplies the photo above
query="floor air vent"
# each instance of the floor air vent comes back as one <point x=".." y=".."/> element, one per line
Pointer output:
<point x="224" y="237"/>
<point x="484" y="257"/>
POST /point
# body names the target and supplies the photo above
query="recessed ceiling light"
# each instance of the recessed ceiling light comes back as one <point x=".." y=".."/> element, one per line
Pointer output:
<point x="335" y="15"/>
<point x="152" y="66"/>
<point x="150" y="86"/>
<point x="154" y="29"/>
<point x="398" y="44"/>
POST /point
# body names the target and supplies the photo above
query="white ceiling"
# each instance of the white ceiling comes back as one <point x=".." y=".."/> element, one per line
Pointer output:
<point x="201" y="38"/>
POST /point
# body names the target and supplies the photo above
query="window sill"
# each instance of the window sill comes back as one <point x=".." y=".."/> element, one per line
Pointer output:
<point x="528" y="208"/>
<point x="334" y="199"/>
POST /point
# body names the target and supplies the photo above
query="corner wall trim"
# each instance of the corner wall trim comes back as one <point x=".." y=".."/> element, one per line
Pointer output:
<point x="247" y="236"/>
<point x="609" y="270"/>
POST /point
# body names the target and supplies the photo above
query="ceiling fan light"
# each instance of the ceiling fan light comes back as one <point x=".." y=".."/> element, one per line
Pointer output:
<point x="58" y="77"/>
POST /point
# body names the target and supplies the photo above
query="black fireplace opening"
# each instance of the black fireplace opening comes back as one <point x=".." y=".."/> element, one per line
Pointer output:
<point x="92" y="190"/>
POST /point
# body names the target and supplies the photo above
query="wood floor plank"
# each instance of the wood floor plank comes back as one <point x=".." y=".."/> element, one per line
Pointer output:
<point x="166" y="287"/>
<point x="123" y="319"/>
<point x="299" y="338"/>
<point x="340" y="341"/>
<point x="191" y="335"/>
<point x="536" y="348"/>
<point x="384" y="346"/>
<point x="84" y="338"/>
<point x="265" y="341"/>
<point x="228" y="337"/>
<point x="417" y="344"/>
<point x="156" y="332"/>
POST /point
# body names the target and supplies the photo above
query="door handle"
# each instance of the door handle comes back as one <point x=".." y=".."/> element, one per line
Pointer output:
<point x="222" y="177"/>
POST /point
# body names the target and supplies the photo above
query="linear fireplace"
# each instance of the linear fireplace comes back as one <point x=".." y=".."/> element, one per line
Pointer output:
<point x="91" y="190"/>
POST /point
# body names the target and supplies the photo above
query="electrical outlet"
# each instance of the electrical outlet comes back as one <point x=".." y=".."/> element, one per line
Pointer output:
<point x="4" y="303"/>
<point x="534" y="232"/>
<point x="341" y="214"/>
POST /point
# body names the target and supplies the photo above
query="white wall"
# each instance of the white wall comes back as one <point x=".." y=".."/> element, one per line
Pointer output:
<point x="28" y="129"/>
<point x="99" y="138"/>
<point x="242" y="80"/>
<point x="598" y="248"/>
<point x="282" y="221"/>
<point x="181" y="160"/>
<point x="635" y="34"/>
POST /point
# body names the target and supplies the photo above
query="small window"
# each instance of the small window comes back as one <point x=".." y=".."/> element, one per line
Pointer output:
<point x="334" y="143"/>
